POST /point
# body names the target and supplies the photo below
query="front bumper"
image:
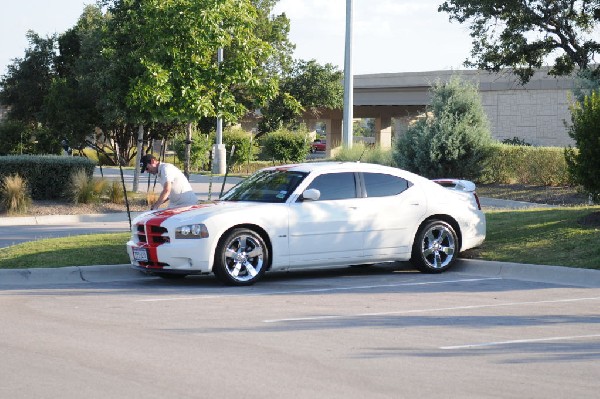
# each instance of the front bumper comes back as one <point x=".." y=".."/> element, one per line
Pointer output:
<point x="182" y="256"/>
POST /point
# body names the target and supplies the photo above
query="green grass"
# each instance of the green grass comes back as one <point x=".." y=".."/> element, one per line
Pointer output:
<point x="542" y="236"/>
<point x="536" y="236"/>
<point x="83" y="250"/>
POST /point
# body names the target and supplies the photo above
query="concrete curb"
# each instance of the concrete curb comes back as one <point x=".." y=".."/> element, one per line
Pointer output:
<point x="67" y="219"/>
<point x="68" y="275"/>
<point x="588" y="278"/>
<point x="111" y="273"/>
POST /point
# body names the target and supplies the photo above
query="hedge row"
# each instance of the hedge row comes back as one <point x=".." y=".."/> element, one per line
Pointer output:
<point x="513" y="164"/>
<point x="47" y="175"/>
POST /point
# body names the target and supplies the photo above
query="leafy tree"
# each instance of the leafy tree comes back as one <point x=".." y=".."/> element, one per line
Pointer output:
<point x="452" y="140"/>
<point x="11" y="134"/>
<point x="307" y="88"/>
<point x="584" y="162"/>
<point x="179" y="77"/>
<point x="23" y="90"/>
<point x="523" y="33"/>
<point x="274" y="29"/>
<point x="28" y="80"/>
<point x="71" y="105"/>
<point x="172" y="49"/>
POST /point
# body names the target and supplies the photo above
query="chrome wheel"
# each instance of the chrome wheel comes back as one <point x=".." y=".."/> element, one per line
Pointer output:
<point x="435" y="247"/>
<point x="241" y="257"/>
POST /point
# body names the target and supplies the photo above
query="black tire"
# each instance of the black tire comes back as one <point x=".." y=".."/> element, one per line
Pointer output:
<point x="241" y="257"/>
<point x="435" y="247"/>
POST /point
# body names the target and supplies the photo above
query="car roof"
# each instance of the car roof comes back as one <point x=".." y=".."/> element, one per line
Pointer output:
<point x="331" y="166"/>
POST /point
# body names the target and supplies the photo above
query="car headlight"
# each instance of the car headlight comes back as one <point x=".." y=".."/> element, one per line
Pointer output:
<point x="191" y="231"/>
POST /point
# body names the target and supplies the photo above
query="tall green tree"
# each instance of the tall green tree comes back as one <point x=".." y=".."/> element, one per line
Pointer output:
<point x="70" y="106"/>
<point x="173" y="47"/>
<point x="522" y="34"/>
<point x="307" y="88"/>
<point x="453" y="137"/>
<point x="177" y="44"/>
<point x="28" y="79"/>
<point x="23" y="89"/>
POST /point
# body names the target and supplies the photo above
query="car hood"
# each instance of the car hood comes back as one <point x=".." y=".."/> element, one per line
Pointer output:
<point x="193" y="213"/>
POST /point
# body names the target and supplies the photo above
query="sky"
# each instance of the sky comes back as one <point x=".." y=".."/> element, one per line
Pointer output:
<point x="388" y="35"/>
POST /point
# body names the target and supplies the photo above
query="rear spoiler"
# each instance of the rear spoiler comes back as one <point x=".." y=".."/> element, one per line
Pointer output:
<point x="456" y="184"/>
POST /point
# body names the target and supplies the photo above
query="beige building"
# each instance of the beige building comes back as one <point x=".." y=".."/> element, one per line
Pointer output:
<point x="536" y="113"/>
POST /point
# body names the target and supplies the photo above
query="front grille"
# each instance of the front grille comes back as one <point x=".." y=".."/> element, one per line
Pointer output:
<point x="152" y="235"/>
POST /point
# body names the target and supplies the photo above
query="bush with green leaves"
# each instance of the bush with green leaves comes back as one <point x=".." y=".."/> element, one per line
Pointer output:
<point x="525" y="164"/>
<point x="584" y="161"/>
<point x="286" y="145"/>
<point x="202" y="145"/>
<point x="199" y="152"/>
<point x="452" y="139"/>
<point x="46" y="175"/>
<point x="245" y="146"/>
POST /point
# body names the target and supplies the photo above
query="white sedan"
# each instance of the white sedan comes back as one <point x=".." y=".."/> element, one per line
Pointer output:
<point x="312" y="215"/>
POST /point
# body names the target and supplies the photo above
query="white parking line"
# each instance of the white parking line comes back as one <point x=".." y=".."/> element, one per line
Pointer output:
<point x="313" y="290"/>
<point x="519" y="341"/>
<point x="428" y="310"/>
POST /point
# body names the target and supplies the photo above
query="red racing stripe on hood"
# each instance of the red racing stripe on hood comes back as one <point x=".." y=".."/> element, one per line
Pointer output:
<point x="162" y="215"/>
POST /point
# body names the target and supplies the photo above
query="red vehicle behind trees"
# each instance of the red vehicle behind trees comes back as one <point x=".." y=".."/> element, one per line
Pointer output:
<point x="318" y="145"/>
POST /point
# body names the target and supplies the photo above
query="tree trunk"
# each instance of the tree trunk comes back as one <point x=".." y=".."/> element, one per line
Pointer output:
<point x="188" y="150"/>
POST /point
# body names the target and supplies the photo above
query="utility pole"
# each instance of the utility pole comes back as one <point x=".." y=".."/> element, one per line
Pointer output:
<point x="219" y="165"/>
<point x="347" y="138"/>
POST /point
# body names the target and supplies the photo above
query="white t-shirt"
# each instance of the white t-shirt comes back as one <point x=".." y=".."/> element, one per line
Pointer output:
<point x="181" y="190"/>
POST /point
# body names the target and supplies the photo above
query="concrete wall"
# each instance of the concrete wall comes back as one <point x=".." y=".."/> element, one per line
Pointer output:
<point x="536" y="116"/>
<point x="537" y="113"/>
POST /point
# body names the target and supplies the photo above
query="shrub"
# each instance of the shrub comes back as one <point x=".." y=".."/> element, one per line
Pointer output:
<point x="46" y="175"/>
<point x="365" y="153"/>
<point x="116" y="195"/>
<point x="453" y="138"/>
<point x="584" y="164"/>
<point x="245" y="147"/>
<point x="83" y="189"/>
<point x="199" y="152"/>
<point x="15" y="196"/>
<point x="509" y="164"/>
<point x="286" y="146"/>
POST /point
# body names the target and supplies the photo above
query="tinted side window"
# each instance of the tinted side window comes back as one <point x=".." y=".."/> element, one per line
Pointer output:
<point x="335" y="186"/>
<point x="382" y="185"/>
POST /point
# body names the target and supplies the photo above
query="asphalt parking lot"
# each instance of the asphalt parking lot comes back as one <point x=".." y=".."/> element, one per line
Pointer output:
<point x="383" y="332"/>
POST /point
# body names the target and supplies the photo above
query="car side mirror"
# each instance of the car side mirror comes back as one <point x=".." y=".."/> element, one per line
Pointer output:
<point x="312" y="194"/>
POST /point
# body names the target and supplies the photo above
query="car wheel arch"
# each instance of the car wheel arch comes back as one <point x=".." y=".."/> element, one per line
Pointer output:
<point x="254" y="227"/>
<point x="445" y="218"/>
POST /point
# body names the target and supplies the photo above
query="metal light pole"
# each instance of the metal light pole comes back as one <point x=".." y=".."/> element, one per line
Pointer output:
<point x="348" y="81"/>
<point x="219" y="165"/>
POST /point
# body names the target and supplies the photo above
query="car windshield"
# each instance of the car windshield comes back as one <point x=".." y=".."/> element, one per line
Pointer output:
<point x="274" y="185"/>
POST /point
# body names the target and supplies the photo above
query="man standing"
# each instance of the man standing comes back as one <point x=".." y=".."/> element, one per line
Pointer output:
<point x="176" y="187"/>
